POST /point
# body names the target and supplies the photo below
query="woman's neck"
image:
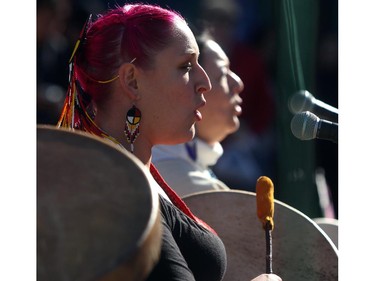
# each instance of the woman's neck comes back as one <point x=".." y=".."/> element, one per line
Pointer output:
<point x="115" y="130"/>
<point x="142" y="150"/>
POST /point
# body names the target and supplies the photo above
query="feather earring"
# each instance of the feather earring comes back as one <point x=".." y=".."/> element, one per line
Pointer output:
<point x="133" y="118"/>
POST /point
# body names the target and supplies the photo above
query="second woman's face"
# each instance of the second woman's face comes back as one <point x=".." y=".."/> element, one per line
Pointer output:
<point x="220" y="115"/>
<point x="171" y="92"/>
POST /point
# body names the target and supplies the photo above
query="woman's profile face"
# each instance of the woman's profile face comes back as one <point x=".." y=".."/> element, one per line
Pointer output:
<point x="171" y="92"/>
<point x="220" y="115"/>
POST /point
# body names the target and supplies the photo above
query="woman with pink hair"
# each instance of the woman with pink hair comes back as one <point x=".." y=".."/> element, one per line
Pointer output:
<point x="135" y="80"/>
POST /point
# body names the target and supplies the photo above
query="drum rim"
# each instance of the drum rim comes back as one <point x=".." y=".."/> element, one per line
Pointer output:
<point x="278" y="202"/>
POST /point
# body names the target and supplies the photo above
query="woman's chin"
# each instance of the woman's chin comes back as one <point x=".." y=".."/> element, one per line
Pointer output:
<point x="182" y="138"/>
<point x="188" y="137"/>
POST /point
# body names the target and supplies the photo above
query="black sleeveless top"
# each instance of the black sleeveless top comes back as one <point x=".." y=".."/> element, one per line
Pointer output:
<point x="189" y="251"/>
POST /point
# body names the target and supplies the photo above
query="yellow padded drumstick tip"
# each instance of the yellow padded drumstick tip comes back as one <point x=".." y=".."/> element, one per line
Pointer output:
<point x="265" y="201"/>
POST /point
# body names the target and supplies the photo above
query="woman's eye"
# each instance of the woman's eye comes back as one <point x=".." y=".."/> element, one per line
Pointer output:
<point x="187" y="67"/>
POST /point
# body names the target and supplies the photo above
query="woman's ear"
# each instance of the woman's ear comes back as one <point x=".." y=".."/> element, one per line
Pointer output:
<point x="128" y="79"/>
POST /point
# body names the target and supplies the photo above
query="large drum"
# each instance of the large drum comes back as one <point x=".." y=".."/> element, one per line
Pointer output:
<point x="301" y="250"/>
<point x="97" y="217"/>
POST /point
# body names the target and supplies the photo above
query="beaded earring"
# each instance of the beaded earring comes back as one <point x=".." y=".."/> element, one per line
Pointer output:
<point x="133" y="118"/>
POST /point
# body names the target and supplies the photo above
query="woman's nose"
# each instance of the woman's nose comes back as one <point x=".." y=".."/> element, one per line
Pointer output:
<point x="204" y="84"/>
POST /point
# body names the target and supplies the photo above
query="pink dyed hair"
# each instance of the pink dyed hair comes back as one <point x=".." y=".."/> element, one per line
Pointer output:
<point x="118" y="36"/>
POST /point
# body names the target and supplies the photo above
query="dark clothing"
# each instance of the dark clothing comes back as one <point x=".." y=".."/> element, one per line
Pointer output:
<point x="189" y="251"/>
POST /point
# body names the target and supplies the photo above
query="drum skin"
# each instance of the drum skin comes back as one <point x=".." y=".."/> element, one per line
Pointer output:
<point x="301" y="250"/>
<point x="97" y="217"/>
<point x="331" y="227"/>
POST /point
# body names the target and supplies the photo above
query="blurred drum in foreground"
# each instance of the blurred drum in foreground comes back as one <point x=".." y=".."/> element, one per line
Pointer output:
<point x="97" y="217"/>
<point x="301" y="250"/>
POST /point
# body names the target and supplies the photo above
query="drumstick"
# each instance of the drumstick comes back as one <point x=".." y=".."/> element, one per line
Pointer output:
<point x="265" y="210"/>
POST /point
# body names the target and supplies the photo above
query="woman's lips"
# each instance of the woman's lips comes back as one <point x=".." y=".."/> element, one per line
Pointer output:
<point x="198" y="114"/>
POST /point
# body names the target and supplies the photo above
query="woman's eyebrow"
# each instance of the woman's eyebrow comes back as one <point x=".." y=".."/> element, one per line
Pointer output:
<point x="190" y="56"/>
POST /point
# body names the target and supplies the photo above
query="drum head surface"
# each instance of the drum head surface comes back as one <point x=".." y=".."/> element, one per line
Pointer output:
<point x="331" y="227"/>
<point x="301" y="250"/>
<point x="95" y="208"/>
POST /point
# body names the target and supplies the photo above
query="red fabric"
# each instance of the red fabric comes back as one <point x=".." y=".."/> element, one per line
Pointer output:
<point x="176" y="200"/>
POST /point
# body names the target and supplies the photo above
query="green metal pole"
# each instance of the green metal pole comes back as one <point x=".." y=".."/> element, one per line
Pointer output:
<point x="296" y="54"/>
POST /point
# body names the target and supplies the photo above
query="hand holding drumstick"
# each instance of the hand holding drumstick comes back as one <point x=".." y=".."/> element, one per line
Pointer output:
<point x="267" y="277"/>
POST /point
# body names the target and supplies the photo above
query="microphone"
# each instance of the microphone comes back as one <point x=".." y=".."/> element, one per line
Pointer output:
<point x="307" y="126"/>
<point x="265" y="211"/>
<point x="305" y="101"/>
